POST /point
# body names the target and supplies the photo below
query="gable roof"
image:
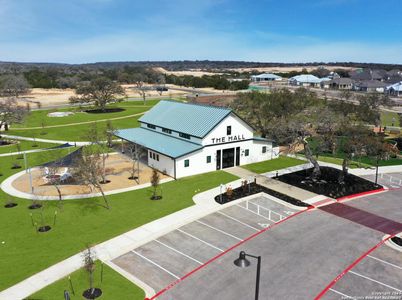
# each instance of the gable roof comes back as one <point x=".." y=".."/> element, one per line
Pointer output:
<point x="306" y="78"/>
<point x="193" y="119"/>
<point x="396" y="87"/>
<point x="267" y="75"/>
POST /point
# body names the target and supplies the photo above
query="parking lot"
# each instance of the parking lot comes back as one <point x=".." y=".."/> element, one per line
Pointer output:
<point x="378" y="275"/>
<point x="168" y="258"/>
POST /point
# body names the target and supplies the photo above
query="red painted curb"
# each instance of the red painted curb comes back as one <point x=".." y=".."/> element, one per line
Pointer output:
<point x="344" y="272"/>
<point x="360" y="194"/>
<point x="223" y="253"/>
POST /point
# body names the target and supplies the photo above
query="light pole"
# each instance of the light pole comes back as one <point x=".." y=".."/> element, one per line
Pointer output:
<point x="243" y="262"/>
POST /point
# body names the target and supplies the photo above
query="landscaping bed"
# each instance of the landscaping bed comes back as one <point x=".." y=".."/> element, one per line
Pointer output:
<point x="397" y="240"/>
<point x="328" y="183"/>
<point x="254" y="188"/>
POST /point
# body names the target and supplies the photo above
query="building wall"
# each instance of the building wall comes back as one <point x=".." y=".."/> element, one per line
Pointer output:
<point x="165" y="163"/>
<point x="240" y="131"/>
<point x="198" y="160"/>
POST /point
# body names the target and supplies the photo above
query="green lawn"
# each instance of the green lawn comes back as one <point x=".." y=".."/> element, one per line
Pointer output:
<point x="274" y="164"/>
<point x="81" y="222"/>
<point x="113" y="286"/>
<point x="25" y="146"/>
<point x="387" y="117"/>
<point x="73" y="133"/>
<point x="37" y="117"/>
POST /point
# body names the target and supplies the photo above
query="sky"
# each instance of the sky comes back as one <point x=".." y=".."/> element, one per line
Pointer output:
<point x="84" y="31"/>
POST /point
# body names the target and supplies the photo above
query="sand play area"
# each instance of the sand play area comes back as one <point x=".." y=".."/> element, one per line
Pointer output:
<point x="118" y="168"/>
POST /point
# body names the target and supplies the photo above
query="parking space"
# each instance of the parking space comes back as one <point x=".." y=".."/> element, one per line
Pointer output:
<point x="377" y="276"/>
<point x="168" y="258"/>
<point x="390" y="180"/>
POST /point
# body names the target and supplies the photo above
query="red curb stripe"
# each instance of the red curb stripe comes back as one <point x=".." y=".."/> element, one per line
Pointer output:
<point x="170" y="286"/>
<point x="344" y="272"/>
<point x="360" y="194"/>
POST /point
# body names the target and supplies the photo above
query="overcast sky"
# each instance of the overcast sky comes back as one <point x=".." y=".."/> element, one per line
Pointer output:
<point x="80" y="31"/>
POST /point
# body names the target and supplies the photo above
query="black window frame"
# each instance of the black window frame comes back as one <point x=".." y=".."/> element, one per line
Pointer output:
<point x="157" y="157"/>
<point x="184" y="135"/>
<point x="151" y="126"/>
<point x="264" y="149"/>
<point x="209" y="159"/>
<point x="165" y="130"/>
<point x="186" y="163"/>
<point x="246" y="152"/>
<point x="228" y="130"/>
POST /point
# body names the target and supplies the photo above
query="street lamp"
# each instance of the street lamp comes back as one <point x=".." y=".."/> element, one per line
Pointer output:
<point x="243" y="262"/>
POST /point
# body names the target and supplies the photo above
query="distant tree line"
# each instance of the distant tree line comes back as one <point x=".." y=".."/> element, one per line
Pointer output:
<point x="215" y="81"/>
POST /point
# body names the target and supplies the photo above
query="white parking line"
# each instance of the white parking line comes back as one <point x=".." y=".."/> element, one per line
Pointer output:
<point x="385" y="262"/>
<point x="265" y="207"/>
<point x="155" y="264"/>
<point x="234" y="219"/>
<point x="255" y="213"/>
<point x="342" y="294"/>
<point x="379" y="282"/>
<point x="177" y="251"/>
<point x="196" y="238"/>
<point x="221" y="231"/>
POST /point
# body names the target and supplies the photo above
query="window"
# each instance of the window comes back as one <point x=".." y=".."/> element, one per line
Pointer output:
<point x="150" y="154"/>
<point x="157" y="157"/>
<point x="184" y="135"/>
<point x="228" y="130"/>
<point x="186" y="163"/>
<point x="246" y="152"/>
<point x="264" y="149"/>
<point x="208" y="159"/>
<point x="153" y="155"/>
<point x="151" y="126"/>
<point x="165" y="130"/>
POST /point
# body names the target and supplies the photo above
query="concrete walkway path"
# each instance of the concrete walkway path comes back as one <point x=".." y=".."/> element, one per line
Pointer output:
<point x="30" y="151"/>
<point x="23" y="138"/>
<point x="273" y="184"/>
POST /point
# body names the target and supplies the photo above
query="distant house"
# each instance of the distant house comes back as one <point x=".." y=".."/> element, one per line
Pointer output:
<point x="368" y="74"/>
<point x="341" y="83"/>
<point x="265" y="77"/>
<point x="305" y="80"/>
<point x="325" y="82"/>
<point x="370" y="86"/>
<point x="333" y="75"/>
<point x="395" y="89"/>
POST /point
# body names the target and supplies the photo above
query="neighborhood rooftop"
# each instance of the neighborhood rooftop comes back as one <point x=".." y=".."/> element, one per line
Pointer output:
<point x="193" y="119"/>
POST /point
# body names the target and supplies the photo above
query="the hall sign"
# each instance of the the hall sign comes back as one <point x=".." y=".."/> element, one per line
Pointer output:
<point x="226" y="139"/>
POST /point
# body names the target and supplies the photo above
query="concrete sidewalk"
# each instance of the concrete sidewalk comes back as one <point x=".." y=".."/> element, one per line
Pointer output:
<point x="23" y="138"/>
<point x="273" y="184"/>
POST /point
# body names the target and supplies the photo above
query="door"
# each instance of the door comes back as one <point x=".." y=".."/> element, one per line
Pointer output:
<point x="228" y="156"/>
<point x="218" y="159"/>
<point x="237" y="156"/>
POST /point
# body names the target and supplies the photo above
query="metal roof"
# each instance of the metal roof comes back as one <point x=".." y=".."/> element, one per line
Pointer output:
<point x="305" y="78"/>
<point x="193" y="119"/>
<point x="267" y="75"/>
<point x="396" y="87"/>
<point x="158" y="142"/>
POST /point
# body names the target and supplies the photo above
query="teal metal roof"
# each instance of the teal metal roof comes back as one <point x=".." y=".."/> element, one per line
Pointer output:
<point x="193" y="119"/>
<point x="158" y="142"/>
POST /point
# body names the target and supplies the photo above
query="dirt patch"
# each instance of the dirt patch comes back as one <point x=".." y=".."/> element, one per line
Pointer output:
<point x="118" y="166"/>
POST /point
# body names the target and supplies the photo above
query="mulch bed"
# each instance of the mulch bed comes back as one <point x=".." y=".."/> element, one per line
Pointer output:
<point x="107" y="110"/>
<point x="254" y="188"/>
<point x="328" y="183"/>
<point x="10" y="205"/>
<point x="397" y="240"/>
<point x="45" y="228"/>
<point x="35" y="206"/>
<point x="92" y="293"/>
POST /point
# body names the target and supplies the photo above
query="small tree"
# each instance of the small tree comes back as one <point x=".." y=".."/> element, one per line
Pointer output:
<point x="88" y="170"/>
<point x="110" y="131"/>
<point x="89" y="266"/>
<point x="155" y="183"/>
<point x="135" y="159"/>
<point x="11" y="112"/>
<point x="100" y="91"/>
<point x="139" y="80"/>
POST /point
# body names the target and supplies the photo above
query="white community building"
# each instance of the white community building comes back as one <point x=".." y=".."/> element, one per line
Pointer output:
<point x="182" y="139"/>
<point x="265" y="77"/>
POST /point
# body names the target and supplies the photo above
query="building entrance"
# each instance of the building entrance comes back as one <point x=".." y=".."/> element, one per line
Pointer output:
<point x="228" y="158"/>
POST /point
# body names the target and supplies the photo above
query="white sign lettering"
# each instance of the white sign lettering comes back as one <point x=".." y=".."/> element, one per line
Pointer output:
<point x="227" y="139"/>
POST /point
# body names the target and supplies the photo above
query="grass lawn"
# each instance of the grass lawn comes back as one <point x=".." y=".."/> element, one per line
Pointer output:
<point x="25" y="146"/>
<point x="113" y="286"/>
<point x="387" y="117"/>
<point x="274" y="164"/>
<point x="74" y="133"/>
<point x="37" y="117"/>
<point x="82" y="222"/>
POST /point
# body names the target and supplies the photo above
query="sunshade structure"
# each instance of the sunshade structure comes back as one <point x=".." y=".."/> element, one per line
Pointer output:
<point x="65" y="161"/>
